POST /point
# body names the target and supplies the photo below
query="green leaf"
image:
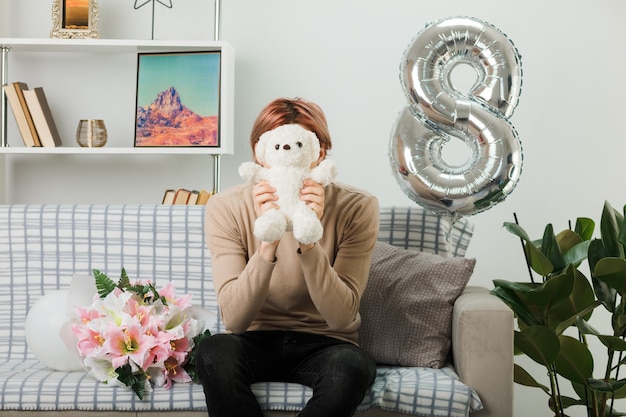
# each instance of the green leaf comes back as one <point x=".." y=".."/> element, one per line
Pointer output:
<point x="585" y="312"/>
<point x="622" y="232"/>
<point x="550" y="248"/>
<point x="511" y="293"/>
<point x="620" y="393"/>
<point x="585" y="328"/>
<point x="537" y="261"/>
<point x="517" y="230"/>
<point x="577" y="253"/>
<point x="567" y="239"/>
<point x="539" y="343"/>
<point x="151" y="289"/>
<point x="566" y="402"/>
<point x="584" y="228"/>
<point x="582" y="390"/>
<point x="576" y="303"/>
<point x="136" y="382"/>
<point x="514" y="287"/>
<point x="520" y="376"/>
<point x="124" y="282"/>
<point x="606" y="386"/>
<point x="618" y="320"/>
<point x="612" y="271"/>
<point x="574" y="361"/>
<point x="104" y="284"/>
<point x="611" y="342"/>
<point x="596" y="252"/>
<point x="140" y="290"/>
<point x="610" y="228"/>
<point x="190" y="366"/>
<point x="606" y="294"/>
<point x="552" y="292"/>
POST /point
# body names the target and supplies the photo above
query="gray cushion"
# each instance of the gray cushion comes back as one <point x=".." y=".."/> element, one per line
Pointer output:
<point x="406" y="309"/>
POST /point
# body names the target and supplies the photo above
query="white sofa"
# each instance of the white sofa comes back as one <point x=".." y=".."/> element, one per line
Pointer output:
<point x="43" y="246"/>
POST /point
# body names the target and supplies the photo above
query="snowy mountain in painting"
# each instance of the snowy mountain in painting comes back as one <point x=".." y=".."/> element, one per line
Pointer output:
<point x="168" y="122"/>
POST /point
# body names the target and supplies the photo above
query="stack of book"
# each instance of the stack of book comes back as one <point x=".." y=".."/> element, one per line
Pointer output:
<point x="32" y="114"/>
<point x="183" y="196"/>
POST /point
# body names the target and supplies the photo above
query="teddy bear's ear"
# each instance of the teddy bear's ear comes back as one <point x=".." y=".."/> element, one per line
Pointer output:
<point x="315" y="145"/>
<point x="259" y="148"/>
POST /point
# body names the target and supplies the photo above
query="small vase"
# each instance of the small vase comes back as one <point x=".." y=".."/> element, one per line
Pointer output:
<point x="91" y="133"/>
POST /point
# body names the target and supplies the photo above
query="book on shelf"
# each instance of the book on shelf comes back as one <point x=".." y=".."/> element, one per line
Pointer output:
<point x="203" y="197"/>
<point x="184" y="196"/>
<point x="181" y="196"/>
<point x="168" y="197"/>
<point x="193" y="197"/>
<point x="15" y="96"/>
<point x="42" y="116"/>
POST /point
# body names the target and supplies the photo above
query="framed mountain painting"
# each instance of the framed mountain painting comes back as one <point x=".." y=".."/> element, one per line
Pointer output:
<point x="178" y="99"/>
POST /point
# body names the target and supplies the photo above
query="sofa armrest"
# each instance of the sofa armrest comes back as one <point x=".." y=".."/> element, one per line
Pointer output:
<point x="482" y="347"/>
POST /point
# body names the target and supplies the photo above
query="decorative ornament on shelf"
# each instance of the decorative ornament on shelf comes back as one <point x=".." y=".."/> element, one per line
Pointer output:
<point x="91" y="133"/>
<point x="138" y="336"/>
<point x="140" y="3"/>
<point x="440" y="114"/>
<point x="75" y="19"/>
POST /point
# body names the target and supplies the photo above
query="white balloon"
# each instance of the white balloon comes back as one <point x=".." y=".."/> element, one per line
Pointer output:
<point x="48" y="333"/>
<point x="81" y="293"/>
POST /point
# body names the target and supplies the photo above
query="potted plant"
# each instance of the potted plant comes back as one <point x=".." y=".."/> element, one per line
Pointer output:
<point x="553" y="311"/>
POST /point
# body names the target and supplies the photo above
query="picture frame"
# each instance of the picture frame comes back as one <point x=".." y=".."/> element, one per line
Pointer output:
<point x="74" y="19"/>
<point x="178" y="99"/>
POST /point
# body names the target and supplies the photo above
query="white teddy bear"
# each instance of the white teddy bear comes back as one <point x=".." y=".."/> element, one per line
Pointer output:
<point x="288" y="152"/>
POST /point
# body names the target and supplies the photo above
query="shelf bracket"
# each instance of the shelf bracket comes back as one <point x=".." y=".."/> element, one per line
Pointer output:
<point x="217" y="169"/>
<point x="4" y="79"/>
<point x="217" y="34"/>
<point x="217" y="20"/>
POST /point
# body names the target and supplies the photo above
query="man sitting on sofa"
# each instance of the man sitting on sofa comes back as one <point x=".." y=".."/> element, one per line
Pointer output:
<point x="291" y="309"/>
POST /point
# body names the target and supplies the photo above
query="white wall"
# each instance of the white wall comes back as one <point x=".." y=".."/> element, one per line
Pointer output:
<point x="4" y="17"/>
<point x="344" y="54"/>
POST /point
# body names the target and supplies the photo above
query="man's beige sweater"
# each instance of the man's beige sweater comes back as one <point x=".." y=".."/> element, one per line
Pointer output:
<point x="318" y="291"/>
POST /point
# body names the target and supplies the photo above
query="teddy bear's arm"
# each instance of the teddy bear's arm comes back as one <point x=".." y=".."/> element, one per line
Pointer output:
<point x="250" y="171"/>
<point x="325" y="172"/>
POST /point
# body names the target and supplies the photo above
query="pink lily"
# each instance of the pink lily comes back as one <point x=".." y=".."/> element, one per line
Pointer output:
<point x="169" y="293"/>
<point x="174" y="372"/>
<point x="90" y="341"/>
<point x="129" y="345"/>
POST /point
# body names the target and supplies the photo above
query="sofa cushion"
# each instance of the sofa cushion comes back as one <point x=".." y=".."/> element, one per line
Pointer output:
<point x="406" y="309"/>
<point x="28" y="385"/>
<point x="415" y="228"/>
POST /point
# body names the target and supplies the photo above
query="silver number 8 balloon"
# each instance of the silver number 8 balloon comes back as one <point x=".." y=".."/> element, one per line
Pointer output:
<point x="438" y="112"/>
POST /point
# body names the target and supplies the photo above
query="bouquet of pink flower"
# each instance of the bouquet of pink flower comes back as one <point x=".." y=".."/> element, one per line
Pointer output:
<point x="138" y="336"/>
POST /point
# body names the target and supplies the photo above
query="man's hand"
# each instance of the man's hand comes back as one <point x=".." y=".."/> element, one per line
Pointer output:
<point x="264" y="197"/>
<point x="313" y="195"/>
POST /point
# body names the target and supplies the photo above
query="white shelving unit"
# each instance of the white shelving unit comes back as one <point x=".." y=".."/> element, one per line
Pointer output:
<point x="54" y="50"/>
